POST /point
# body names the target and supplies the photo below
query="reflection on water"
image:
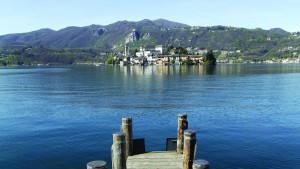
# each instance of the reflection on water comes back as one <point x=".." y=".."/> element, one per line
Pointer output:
<point x="168" y="70"/>
<point x="222" y="69"/>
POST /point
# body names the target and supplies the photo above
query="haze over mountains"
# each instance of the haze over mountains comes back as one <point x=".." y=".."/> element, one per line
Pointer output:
<point x="146" y="32"/>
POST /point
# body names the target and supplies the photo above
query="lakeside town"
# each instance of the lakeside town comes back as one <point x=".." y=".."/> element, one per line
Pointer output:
<point x="158" y="55"/>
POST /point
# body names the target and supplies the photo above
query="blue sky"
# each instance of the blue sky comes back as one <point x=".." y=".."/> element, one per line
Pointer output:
<point x="18" y="16"/>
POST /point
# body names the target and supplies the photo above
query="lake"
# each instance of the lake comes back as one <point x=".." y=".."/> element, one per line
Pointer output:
<point x="246" y="115"/>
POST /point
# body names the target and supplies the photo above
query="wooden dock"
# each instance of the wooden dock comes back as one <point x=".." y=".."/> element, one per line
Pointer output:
<point x="129" y="153"/>
<point x="156" y="160"/>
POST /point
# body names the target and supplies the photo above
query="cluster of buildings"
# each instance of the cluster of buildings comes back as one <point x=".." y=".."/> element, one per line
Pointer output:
<point x="155" y="56"/>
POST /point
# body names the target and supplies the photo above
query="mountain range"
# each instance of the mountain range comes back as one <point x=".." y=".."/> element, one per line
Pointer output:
<point x="151" y="32"/>
<point x="88" y="36"/>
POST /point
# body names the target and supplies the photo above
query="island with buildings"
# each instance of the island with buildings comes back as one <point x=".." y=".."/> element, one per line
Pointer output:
<point x="157" y="56"/>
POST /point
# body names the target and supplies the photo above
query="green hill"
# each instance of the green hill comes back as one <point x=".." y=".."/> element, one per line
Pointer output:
<point x="249" y="42"/>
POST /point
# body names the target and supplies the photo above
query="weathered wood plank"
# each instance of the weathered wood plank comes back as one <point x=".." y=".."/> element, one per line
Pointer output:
<point x="156" y="160"/>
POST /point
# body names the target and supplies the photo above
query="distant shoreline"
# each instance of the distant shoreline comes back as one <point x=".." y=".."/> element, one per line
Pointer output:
<point x="102" y="64"/>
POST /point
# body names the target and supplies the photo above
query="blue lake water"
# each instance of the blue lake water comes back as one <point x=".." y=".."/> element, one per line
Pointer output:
<point x="246" y="116"/>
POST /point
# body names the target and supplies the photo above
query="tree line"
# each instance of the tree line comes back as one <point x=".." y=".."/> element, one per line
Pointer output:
<point x="48" y="55"/>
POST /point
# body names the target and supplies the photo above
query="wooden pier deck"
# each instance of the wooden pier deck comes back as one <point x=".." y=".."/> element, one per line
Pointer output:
<point x="180" y="152"/>
<point x="156" y="160"/>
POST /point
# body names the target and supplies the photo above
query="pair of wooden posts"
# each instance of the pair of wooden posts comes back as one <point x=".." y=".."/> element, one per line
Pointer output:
<point x="187" y="145"/>
<point x="123" y="146"/>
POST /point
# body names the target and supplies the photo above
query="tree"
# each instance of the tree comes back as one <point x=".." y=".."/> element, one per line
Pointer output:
<point x="110" y="59"/>
<point x="210" y="57"/>
<point x="182" y="51"/>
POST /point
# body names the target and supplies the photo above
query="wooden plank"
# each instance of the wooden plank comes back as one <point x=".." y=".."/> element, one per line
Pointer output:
<point x="156" y="160"/>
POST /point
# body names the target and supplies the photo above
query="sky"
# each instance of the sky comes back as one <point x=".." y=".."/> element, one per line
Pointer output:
<point x="18" y="16"/>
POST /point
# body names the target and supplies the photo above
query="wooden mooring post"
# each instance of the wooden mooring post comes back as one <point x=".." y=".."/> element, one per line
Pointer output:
<point x="118" y="151"/>
<point x="189" y="149"/>
<point x="182" y="125"/>
<point x="126" y="128"/>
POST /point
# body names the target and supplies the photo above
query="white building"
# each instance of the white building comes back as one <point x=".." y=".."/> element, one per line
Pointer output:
<point x="159" y="48"/>
<point x="150" y="54"/>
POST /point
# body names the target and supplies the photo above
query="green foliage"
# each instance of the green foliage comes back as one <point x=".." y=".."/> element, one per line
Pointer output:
<point x="3" y="62"/>
<point x="44" y="55"/>
<point x="234" y="55"/>
<point x="110" y="59"/>
<point x="13" y="60"/>
<point x="210" y="57"/>
<point x="179" y="50"/>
